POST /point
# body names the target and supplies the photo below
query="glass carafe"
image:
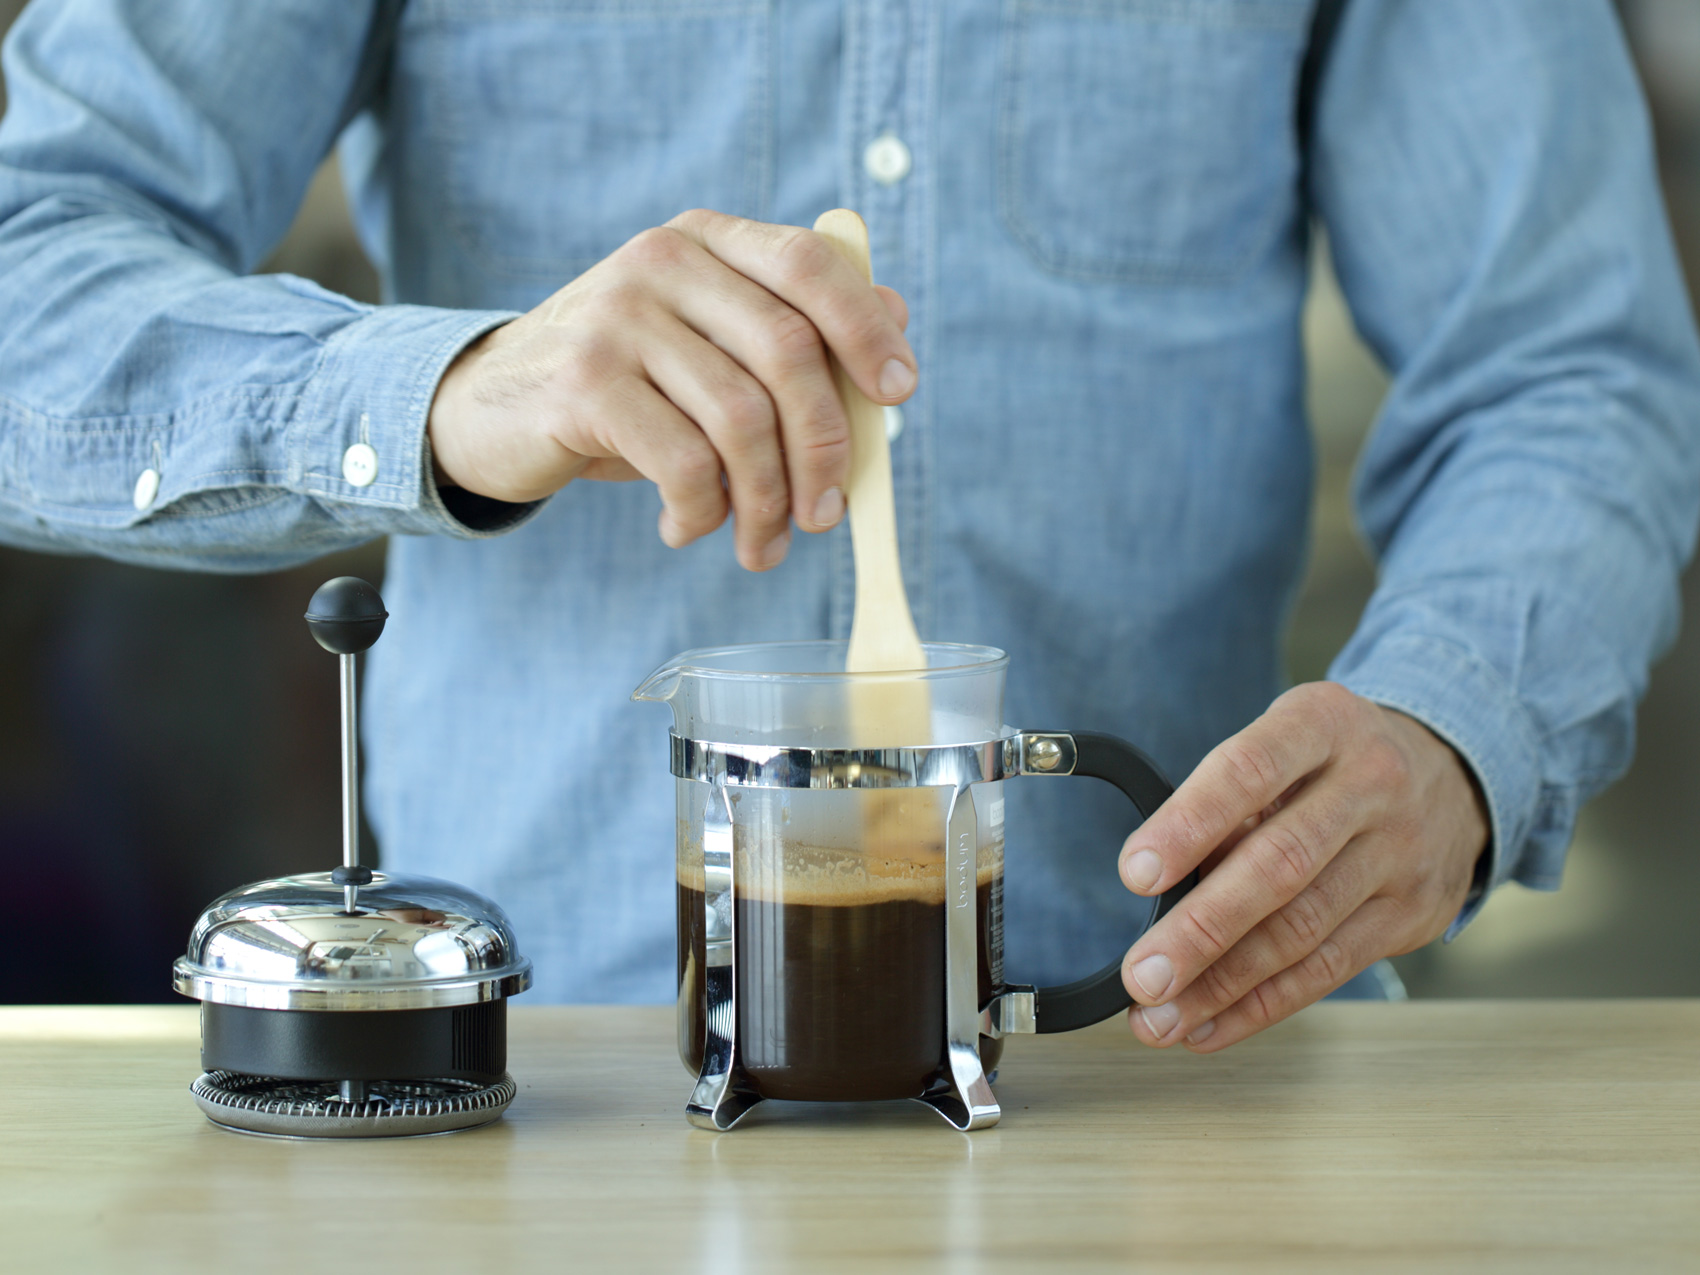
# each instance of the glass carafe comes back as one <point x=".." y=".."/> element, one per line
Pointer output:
<point x="840" y="905"/>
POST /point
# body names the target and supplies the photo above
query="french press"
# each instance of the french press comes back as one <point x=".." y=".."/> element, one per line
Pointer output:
<point x="354" y="1003"/>
<point x="821" y="955"/>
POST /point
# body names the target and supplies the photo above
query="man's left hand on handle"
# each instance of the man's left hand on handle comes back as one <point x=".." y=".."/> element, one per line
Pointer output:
<point x="1331" y="832"/>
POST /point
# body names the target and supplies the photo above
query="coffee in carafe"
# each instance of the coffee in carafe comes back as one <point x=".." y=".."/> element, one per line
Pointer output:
<point x="840" y="948"/>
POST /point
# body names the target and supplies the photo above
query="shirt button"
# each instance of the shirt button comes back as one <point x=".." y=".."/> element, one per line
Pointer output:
<point x="147" y="487"/>
<point x="893" y="423"/>
<point x="887" y="159"/>
<point x="360" y="465"/>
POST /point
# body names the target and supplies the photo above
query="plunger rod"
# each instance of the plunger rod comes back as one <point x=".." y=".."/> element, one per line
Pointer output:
<point x="350" y="782"/>
<point x="345" y="617"/>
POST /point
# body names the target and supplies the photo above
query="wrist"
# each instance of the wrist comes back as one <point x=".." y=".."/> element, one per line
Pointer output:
<point x="1454" y="788"/>
<point x="453" y="405"/>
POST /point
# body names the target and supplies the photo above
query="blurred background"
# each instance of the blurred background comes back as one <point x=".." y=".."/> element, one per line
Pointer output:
<point x="166" y="737"/>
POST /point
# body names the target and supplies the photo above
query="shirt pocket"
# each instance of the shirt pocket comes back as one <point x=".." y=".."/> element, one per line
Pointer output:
<point x="1149" y="140"/>
<point x="561" y="128"/>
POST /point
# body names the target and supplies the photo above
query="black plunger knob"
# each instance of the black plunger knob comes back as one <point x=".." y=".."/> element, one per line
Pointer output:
<point x="346" y="615"/>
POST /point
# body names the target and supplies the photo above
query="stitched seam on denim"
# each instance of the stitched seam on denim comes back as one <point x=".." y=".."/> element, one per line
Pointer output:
<point x="80" y="426"/>
<point x="259" y="475"/>
<point x="1279" y="15"/>
<point x="124" y="513"/>
<point x="143" y="435"/>
<point x="432" y="12"/>
<point x="217" y="503"/>
<point x="1151" y="268"/>
<point x="457" y="141"/>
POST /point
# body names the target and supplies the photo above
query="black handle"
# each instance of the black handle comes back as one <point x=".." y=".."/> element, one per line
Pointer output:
<point x="1096" y="997"/>
<point x="346" y="615"/>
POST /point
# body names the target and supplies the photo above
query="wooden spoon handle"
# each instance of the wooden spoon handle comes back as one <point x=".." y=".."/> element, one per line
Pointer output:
<point x="882" y="632"/>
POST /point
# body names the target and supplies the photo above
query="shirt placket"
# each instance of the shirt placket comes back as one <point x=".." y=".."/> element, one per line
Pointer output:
<point x="886" y="175"/>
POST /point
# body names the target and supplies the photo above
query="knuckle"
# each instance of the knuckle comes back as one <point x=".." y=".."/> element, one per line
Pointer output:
<point x="802" y="255"/>
<point x="1263" y="1004"/>
<point x="1330" y="961"/>
<point x="1217" y="985"/>
<point x="1286" y="857"/>
<point x="696" y="469"/>
<point x="747" y="412"/>
<point x="1204" y="932"/>
<point x="1299" y="926"/>
<point x="1252" y="769"/>
<point x="867" y="330"/>
<point x="693" y="219"/>
<point x="1386" y="766"/>
<point x="659" y="247"/>
<point x="698" y="517"/>
<point x="621" y="302"/>
<point x="792" y="338"/>
<point x="1325" y="706"/>
<point x="815" y="462"/>
<point x="1188" y="826"/>
<point x="823" y="445"/>
<point x="1330" y="699"/>
<point x="764" y="495"/>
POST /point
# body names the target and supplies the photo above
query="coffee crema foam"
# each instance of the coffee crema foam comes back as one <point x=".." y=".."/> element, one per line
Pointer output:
<point x="831" y="876"/>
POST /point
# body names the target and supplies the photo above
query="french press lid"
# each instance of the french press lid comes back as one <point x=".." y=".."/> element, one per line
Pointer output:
<point x="413" y="942"/>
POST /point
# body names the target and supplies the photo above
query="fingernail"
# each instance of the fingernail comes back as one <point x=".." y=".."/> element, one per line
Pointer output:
<point x="774" y="551"/>
<point x="829" y="508"/>
<point x="1160" y="1019"/>
<point x="1142" y="870"/>
<point x="1154" y="974"/>
<point x="896" y="378"/>
<point x="1201" y="1033"/>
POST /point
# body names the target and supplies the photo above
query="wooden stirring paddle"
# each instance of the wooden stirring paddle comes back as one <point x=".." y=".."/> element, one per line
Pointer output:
<point x="898" y="826"/>
<point x="882" y="632"/>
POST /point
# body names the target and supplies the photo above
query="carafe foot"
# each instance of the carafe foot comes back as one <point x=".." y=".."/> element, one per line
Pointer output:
<point x="961" y="1095"/>
<point x="719" y="1102"/>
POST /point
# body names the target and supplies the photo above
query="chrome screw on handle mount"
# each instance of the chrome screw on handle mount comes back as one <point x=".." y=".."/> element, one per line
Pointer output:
<point x="346" y="616"/>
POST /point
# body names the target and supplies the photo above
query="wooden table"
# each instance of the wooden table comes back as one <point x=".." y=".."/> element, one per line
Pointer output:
<point x="1543" y="1136"/>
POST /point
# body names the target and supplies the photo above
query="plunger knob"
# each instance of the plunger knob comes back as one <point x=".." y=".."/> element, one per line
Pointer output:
<point x="346" y="615"/>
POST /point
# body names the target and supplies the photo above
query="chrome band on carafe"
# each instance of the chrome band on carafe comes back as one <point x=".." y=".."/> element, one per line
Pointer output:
<point x="927" y="766"/>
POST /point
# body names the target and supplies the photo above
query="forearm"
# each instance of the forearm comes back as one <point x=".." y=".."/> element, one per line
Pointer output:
<point x="1522" y="600"/>
<point x="156" y="404"/>
<point x="1533" y="484"/>
<point x="127" y="354"/>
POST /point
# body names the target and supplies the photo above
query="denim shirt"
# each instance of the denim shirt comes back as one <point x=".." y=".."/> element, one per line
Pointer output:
<point x="1094" y="210"/>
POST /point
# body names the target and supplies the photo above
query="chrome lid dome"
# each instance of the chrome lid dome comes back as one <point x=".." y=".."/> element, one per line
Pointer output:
<point x="412" y="943"/>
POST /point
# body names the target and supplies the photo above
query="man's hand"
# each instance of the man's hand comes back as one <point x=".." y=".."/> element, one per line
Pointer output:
<point x="1332" y="832"/>
<point x="695" y="357"/>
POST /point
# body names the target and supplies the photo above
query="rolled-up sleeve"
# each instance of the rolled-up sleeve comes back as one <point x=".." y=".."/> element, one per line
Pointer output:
<point x="1486" y="174"/>
<point x="157" y="403"/>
